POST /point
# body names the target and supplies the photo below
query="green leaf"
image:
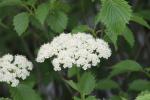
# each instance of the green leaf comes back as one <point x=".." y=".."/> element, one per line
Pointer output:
<point x="115" y="14"/>
<point x="59" y="5"/>
<point x="10" y="3"/>
<point x="30" y="81"/>
<point x="21" y="22"/>
<point x="31" y="2"/>
<point x="113" y="37"/>
<point x="86" y="83"/>
<point x="129" y="37"/>
<point x="72" y="84"/>
<point x="125" y="66"/>
<point x="127" y="34"/>
<point x="145" y="13"/>
<point x="140" y="20"/>
<point x="57" y="21"/>
<point x="145" y="95"/>
<point x="72" y="71"/>
<point x="114" y="97"/>
<point x="76" y="98"/>
<point x="91" y="98"/>
<point x="107" y="84"/>
<point x="81" y="28"/>
<point x="139" y="85"/>
<point x="42" y="12"/>
<point x="122" y="98"/>
<point x="24" y="92"/>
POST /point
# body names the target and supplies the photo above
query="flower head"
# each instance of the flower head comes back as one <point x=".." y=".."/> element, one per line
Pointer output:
<point x="80" y="49"/>
<point x="13" y="68"/>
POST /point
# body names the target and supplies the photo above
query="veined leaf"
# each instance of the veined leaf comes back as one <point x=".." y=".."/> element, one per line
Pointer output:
<point x="125" y="66"/>
<point x="127" y="34"/>
<point x="21" y="22"/>
<point x="113" y="37"/>
<point x="86" y="83"/>
<point x="42" y="12"/>
<point x="140" y="20"/>
<point x="139" y="85"/>
<point x="129" y="37"/>
<point x="24" y="92"/>
<point x="107" y="84"/>
<point x="115" y="14"/>
<point x="57" y="21"/>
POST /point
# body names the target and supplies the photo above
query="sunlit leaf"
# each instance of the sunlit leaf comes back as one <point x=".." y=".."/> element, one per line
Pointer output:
<point x="115" y="14"/>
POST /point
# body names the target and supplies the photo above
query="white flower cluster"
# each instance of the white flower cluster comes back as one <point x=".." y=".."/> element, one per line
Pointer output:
<point x="80" y="49"/>
<point x="13" y="68"/>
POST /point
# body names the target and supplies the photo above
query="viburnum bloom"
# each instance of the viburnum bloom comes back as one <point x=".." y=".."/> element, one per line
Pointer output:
<point x="13" y="68"/>
<point x="81" y="49"/>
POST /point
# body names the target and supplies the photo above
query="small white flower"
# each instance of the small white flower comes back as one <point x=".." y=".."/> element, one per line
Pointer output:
<point x="13" y="68"/>
<point x="80" y="49"/>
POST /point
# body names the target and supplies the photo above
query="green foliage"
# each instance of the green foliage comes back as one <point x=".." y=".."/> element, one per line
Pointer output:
<point x="76" y="98"/>
<point x="24" y="92"/>
<point x="72" y="71"/>
<point x="21" y="22"/>
<point x="139" y="85"/>
<point x="86" y="83"/>
<point x="144" y="13"/>
<point x="113" y="37"/>
<point x="129" y="37"/>
<point x="10" y="2"/>
<point x="114" y="97"/>
<point x="81" y="28"/>
<point x="127" y="34"/>
<point x="91" y="98"/>
<point x="140" y="20"/>
<point x="73" y="85"/>
<point x="143" y="96"/>
<point x="125" y="66"/>
<point x="31" y="2"/>
<point x="115" y="14"/>
<point x="42" y="12"/>
<point x="107" y="84"/>
<point x="30" y="81"/>
<point x="57" y="21"/>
